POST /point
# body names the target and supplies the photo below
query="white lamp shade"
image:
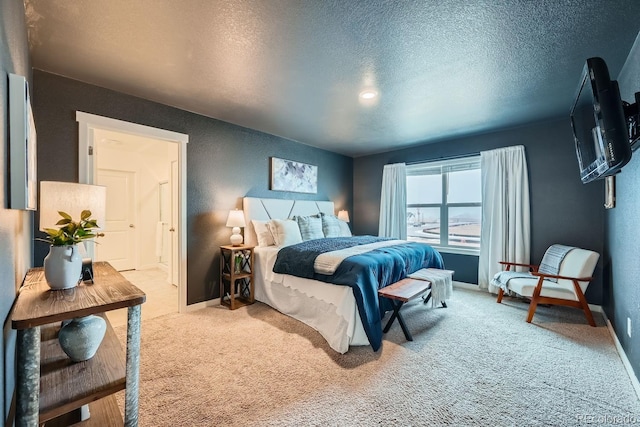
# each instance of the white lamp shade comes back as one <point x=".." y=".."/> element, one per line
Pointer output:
<point x="343" y="215"/>
<point x="71" y="198"/>
<point x="235" y="218"/>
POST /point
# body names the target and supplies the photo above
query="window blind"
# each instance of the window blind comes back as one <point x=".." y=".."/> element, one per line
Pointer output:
<point x="439" y="167"/>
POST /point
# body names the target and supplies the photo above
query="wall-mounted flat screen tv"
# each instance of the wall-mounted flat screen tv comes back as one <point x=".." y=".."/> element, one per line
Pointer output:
<point x="599" y="124"/>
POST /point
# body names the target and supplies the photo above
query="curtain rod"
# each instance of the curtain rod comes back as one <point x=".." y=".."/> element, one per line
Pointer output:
<point x="439" y="159"/>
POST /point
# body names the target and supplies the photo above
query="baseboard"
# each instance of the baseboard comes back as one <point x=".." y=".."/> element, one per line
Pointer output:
<point x="201" y="305"/>
<point x="148" y="266"/>
<point x="468" y="286"/>
<point x="622" y="354"/>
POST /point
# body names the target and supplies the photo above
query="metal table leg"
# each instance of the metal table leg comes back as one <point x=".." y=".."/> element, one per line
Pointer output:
<point x="133" y="367"/>
<point x="28" y="378"/>
<point x="397" y="305"/>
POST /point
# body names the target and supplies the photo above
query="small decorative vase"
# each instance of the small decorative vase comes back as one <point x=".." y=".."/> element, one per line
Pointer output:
<point x="63" y="266"/>
<point x="81" y="337"/>
<point x="238" y="263"/>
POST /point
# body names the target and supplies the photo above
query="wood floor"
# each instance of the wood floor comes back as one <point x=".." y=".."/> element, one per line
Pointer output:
<point x="162" y="297"/>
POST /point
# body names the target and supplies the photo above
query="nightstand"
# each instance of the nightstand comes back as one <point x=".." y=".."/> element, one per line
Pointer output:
<point x="236" y="276"/>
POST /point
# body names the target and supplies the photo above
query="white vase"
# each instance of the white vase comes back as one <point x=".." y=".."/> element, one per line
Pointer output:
<point x="81" y="337"/>
<point x="63" y="266"/>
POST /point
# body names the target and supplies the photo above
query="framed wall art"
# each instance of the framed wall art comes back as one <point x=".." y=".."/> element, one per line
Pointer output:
<point x="287" y="175"/>
<point x="22" y="147"/>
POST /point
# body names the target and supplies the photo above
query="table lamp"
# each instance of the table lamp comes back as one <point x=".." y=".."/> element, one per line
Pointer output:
<point x="343" y="215"/>
<point x="236" y="220"/>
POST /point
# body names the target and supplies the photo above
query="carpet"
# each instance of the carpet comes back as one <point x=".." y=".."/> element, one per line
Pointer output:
<point x="475" y="363"/>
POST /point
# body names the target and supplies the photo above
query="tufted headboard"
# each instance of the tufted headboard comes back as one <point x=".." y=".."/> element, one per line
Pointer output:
<point x="266" y="209"/>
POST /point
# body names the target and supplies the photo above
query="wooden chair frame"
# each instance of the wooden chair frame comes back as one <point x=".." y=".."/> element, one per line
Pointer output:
<point x="537" y="299"/>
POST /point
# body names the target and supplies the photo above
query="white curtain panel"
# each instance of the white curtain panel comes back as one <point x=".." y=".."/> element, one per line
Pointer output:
<point x="393" y="202"/>
<point x="506" y="229"/>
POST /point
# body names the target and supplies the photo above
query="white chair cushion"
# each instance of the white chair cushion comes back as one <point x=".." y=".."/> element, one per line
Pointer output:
<point x="525" y="287"/>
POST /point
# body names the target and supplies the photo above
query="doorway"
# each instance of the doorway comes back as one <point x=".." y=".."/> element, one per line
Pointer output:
<point x="143" y="169"/>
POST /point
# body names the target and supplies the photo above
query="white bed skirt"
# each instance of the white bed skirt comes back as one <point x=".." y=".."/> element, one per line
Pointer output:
<point x="329" y="309"/>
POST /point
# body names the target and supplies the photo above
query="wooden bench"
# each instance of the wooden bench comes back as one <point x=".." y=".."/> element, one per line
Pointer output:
<point x="407" y="289"/>
<point x="399" y="293"/>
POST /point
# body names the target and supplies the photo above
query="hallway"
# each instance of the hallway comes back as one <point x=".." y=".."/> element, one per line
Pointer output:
<point x="162" y="297"/>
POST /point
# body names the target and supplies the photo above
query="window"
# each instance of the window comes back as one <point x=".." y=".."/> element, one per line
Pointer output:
<point x="444" y="204"/>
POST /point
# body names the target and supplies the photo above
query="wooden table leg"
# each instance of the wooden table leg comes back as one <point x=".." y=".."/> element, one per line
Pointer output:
<point x="133" y="367"/>
<point x="28" y="378"/>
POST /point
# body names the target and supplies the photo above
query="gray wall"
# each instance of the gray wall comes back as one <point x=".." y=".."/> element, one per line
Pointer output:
<point x="15" y="226"/>
<point x="563" y="210"/>
<point x="621" y="259"/>
<point x="224" y="163"/>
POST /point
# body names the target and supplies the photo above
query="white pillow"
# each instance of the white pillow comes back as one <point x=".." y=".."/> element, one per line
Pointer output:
<point x="285" y="232"/>
<point x="265" y="238"/>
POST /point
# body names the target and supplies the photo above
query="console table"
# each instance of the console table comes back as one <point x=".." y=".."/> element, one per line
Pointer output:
<point x="49" y="384"/>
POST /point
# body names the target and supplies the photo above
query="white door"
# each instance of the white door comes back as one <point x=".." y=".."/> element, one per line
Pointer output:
<point x="175" y="205"/>
<point x="118" y="244"/>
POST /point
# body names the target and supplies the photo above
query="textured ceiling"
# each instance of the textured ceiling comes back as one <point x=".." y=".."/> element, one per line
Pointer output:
<point x="294" y="68"/>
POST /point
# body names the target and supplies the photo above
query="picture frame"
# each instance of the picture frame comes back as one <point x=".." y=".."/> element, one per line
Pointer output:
<point x="23" y="184"/>
<point x="292" y="176"/>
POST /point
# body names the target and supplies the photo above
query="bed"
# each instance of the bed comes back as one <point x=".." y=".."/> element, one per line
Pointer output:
<point x="330" y="309"/>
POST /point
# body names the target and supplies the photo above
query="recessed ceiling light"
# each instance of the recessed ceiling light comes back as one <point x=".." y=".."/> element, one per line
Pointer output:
<point x="368" y="94"/>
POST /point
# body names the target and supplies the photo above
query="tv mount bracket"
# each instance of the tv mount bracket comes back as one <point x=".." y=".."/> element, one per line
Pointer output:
<point x="632" y="115"/>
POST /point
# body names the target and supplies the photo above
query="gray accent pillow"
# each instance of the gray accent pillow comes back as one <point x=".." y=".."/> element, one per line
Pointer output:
<point x="345" y="231"/>
<point x="331" y="226"/>
<point x="310" y="227"/>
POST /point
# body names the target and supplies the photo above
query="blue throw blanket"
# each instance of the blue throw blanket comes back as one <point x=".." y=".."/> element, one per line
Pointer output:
<point x="365" y="273"/>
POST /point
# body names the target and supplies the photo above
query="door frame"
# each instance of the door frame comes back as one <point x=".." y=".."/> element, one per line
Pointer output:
<point x="88" y="123"/>
<point x="174" y="241"/>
